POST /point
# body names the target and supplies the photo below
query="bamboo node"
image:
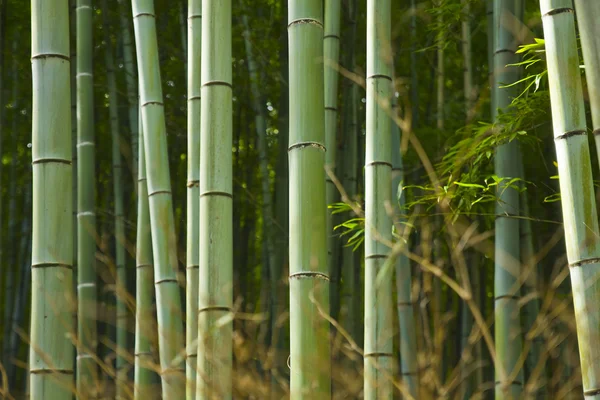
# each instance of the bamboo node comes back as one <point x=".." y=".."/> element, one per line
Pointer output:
<point x="558" y="11"/>
<point x="50" y="55"/>
<point x="566" y="135"/>
<point x="51" y="160"/>
<point x="46" y="371"/>
<point x="380" y="76"/>
<point x="587" y="261"/>
<point x="309" y="274"/>
<point x="216" y="193"/>
<point x="194" y="16"/>
<point x="144" y="14"/>
<point x="301" y="145"/>
<point x="86" y="143"/>
<point x="159" y="192"/>
<point x="375" y="163"/>
<point x="305" y="21"/>
<point x="52" y="265"/>
<point x="194" y="183"/>
<point x="591" y="392"/>
<point x="214" y="308"/>
<point x="377" y="355"/>
<point x="217" y="83"/>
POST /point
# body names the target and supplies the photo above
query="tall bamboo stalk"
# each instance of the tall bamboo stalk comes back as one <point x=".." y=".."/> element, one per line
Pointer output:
<point x="51" y="347"/>
<point x="144" y="315"/>
<point x="404" y="304"/>
<point x="215" y="293"/>
<point x="194" y="26"/>
<point x="378" y="353"/>
<point x="414" y="76"/>
<point x="309" y="273"/>
<point x="170" y="327"/>
<point x="508" y="338"/>
<point x="131" y="82"/>
<point x="588" y="13"/>
<point x="86" y="203"/>
<point x="441" y="76"/>
<point x="331" y="48"/>
<point x="349" y="310"/>
<point x="117" y="170"/>
<point x="576" y="187"/>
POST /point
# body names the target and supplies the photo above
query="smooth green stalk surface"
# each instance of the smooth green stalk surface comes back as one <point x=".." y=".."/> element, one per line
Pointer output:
<point x="144" y="277"/>
<point x="194" y="26"/>
<point x="164" y="246"/>
<point x="508" y="338"/>
<point x="52" y="333"/>
<point x="309" y="273"/>
<point x="405" y="308"/>
<point x="379" y="332"/>
<point x="467" y="63"/>
<point x="576" y="187"/>
<point x="215" y="292"/>
<point x="331" y="48"/>
<point x="117" y="170"/>
<point x="87" y="374"/>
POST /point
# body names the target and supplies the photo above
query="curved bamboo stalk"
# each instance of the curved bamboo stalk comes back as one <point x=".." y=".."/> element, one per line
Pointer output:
<point x="331" y="48"/>
<point x="144" y="275"/>
<point x="215" y="292"/>
<point x="169" y="313"/>
<point x="117" y="170"/>
<point x="194" y="26"/>
<point x="309" y="272"/>
<point x="378" y="356"/>
<point x="577" y="191"/>
<point x="508" y="338"/>
<point x="404" y="305"/>
<point x="87" y="374"/>
<point x="51" y="351"/>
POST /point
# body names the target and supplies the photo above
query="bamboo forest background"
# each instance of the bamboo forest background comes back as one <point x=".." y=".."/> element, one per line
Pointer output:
<point x="482" y="305"/>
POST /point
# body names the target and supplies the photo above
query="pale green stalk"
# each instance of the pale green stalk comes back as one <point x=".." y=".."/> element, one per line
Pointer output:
<point x="414" y="76"/>
<point x="164" y="246"/>
<point x="441" y="77"/>
<point x="404" y="305"/>
<point x="194" y="26"/>
<point x="215" y="292"/>
<point x="131" y="82"/>
<point x="378" y="348"/>
<point x="144" y="275"/>
<point x="87" y="374"/>
<point x="269" y="227"/>
<point x="117" y="171"/>
<point x="310" y="351"/>
<point x="331" y="48"/>
<point x="508" y="338"/>
<point x="588" y="15"/>
<point x="52" y="333"/>
<point x="576" y="186"/>
<point x="349" y="310"/>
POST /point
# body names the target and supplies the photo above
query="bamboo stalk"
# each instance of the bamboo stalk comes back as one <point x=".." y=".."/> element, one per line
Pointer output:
<point x="309" y="273"/>
<point x="51" y="351"/>
<point x="194" y="26"/>
<point x="508" y="337"/>
<point x="331" y="48"/>
<point x="169" y="312"/>
<point x="467" y="61"/>
<point x="215" y="292"/>
<point x="144" y="315"/>
<point x="117" y="170"/>
<point x="87" y="375"/>
<point x="378" y="352"/>
<point x="576" y="186"/>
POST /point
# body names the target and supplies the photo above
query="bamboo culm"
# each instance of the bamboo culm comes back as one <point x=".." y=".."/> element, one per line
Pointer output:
<point x="164" y="247"/>
<point x="215" y="291"/>
<point x="576" y="185"/>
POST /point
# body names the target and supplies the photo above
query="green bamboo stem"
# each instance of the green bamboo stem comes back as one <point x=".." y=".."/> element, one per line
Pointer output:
<point x="331" y="48"/>
<point x="378" y="348"/>
<point x="144" y="315"/>
<point x="131" y="82"/>
<point x="576" y="187"/>
<point x="117" y="170"/>
<point x="414" y="76"/>
<point x="309" y="273"/>
<point x="588" y="14"/>
<point x="508" y="338"/>
<point x="467" y="61"/>
<point x="269" y="228"/>
<point x="215" y="292"/>
<point x="349" y="310"/>
<point x="404" y="304"/>
<point x="169" y="312"/>
<point x="87" y="373"/>
<point x="441" y="77"/>
<point x="51" y="346"/>
<point x="194" y="26"/>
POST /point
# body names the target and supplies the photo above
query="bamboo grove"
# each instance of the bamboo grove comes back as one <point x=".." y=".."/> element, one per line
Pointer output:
<point x="305" y="199"/>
